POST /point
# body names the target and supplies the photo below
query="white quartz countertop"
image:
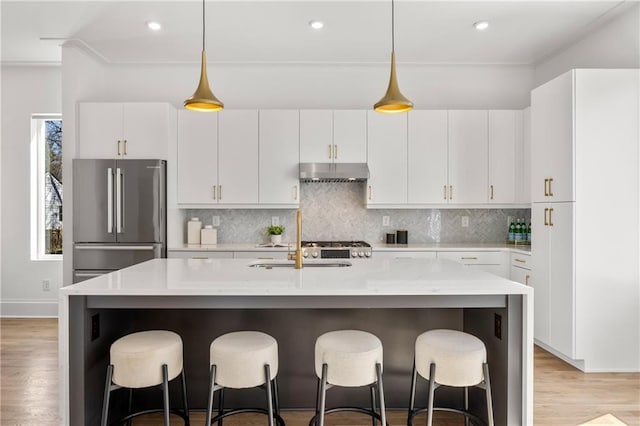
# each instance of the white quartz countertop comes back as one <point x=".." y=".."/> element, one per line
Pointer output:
<point x="233" y="277"/>
<point x="524" y="249"/>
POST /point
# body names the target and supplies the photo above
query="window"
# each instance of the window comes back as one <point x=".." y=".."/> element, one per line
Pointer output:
<point x="46" y="187"/>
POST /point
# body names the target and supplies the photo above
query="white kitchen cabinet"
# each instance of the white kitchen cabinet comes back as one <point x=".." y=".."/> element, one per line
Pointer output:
<point x="262" y="255"/>
<point x="427" y="159"/>
<point x="468" y="157"/>
<point x="552" y="144"/>
<point x="238" y="157"/>
<point x="279" y="165"/>
<point x="316" y="136"/>
<point x="124" y="130"/>
<point x="333" y="136"/>
<point x="197" y="157"/>
<point x="387" y="158"/>
<point x="204" y="254"/>
<point x="505" y="133"/>
<point x="494" y="262"/>
<point x="523" y="160"/>
<point x="586" y="271"/>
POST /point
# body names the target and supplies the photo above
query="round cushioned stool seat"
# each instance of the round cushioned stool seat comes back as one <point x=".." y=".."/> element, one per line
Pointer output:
<point x="240" y="358"/>
<point x="458" y="357"/>
<point x="351" y="356"/>
<point x="137" y="358"/>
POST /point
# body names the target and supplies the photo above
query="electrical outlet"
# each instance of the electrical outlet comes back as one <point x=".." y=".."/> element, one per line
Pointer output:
<point x="275" y="221"/>
<point x="497" y="326"/>
<point x="465" y="221"/>
<point x="215" y="221"/>
<point x="46" y="285"/>
<point x="95" y="326"/>
<point x="386" y="221"/>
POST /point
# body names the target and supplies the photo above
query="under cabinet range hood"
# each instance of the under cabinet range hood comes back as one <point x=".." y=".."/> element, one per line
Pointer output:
<point x="334" y="172"/>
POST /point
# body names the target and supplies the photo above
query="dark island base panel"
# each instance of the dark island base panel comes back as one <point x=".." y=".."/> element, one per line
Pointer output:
<point x="296" y="331"/>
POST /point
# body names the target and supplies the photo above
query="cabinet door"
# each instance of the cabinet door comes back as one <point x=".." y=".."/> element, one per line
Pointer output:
<point x="523" y="159"/>
<point x="387" y="158"/>
<point x="540" y="265"/>
<point x="540" y="142"/>
<point x="197" y="157"/>
<point x="468" y="157"/>
<point x="561" y="278"/>
<point x="561" y="140"/>
<point x="502" y="156"/>
<point x="99" y="130"/>
<point x="427" y="157"/>
<point x="520" y="275"/>
<point x="279" y="171"/>
<point x="316" y="136"/>
<point x="238" y="157"/>
<point x="350" y="136"/>
<point x="146" y="130"/>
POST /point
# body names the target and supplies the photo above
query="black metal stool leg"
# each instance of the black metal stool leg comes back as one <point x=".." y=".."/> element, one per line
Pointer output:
<point x="412" y="396"/>
<point x="383" y="414"/>
<point x="130" y="405"/>
<point x="220" y="405"/>
<point x="466" y="405"/>
<point x="105" y="400"/>
<point x="372" y="389"/>
<point x="185" y="404"/>
<point x="323" y="393"/>
<point x="487" y="383"/>
<point x="276" y="397"/>
<point x="212" y="380"/>
<point x="165" y="393"/>
<point x="432" y="374"/>
<point x="267" y="378"/>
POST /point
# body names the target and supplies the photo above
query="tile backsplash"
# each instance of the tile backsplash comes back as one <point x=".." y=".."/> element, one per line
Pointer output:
<point x="337" y="211"/>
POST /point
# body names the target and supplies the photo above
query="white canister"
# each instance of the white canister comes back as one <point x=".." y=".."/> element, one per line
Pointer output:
<point x="208" y="235"/>
<point x="193" y="231"/>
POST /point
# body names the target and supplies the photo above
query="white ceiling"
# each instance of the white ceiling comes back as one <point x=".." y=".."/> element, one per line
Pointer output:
<point x="427" y="32"/>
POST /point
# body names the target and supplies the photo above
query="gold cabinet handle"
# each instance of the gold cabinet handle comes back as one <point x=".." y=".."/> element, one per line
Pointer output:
<point x="219" y="192"/>
<point x="526" y="279"/>
<point x="199" y="257"/>
<point x="125" y="147"/>
<point x="451" y="192"/>
<point x="330" y="151"/>
<point x="335" y="152"/>
<point x="369" y="192"/>
<point x="550" y="220"/>
<point x="295" y="192"/>
<point x="520" y="260"/>
<point x="491" y="192"/>
<point x="214" y="191"/>
<point x="118" y="147"/>
<point x="550" y="192"/>
<point x="469" y="258"/>
<point x="546" y="193"/>
<point x="546" y="223"/>
<point x="445" y="192"/>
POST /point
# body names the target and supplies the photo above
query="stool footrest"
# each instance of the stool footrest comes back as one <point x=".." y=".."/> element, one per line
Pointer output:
<point x="279" y="420"/>
<point x="475" y="419"/>
<point x="179" y="413"/>
<point x="360" y="410"/>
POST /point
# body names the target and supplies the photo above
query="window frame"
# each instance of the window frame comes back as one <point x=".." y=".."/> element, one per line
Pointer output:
<point x="38" y="189"/>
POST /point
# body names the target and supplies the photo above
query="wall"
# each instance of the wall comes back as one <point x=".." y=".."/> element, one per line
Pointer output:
<point x="25" y="91"/>
<point x="337" y="211"/>
<point x="615" y="45"/>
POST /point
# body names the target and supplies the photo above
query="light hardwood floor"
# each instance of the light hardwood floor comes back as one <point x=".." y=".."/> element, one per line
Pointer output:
<point x="563" y="395"/>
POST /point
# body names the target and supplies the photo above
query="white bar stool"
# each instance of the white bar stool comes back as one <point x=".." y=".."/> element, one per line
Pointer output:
<point x="450" y="358"/>
<point x="349" y="358"/>
<point x="240" y="360"/>
<point x="144" y="359"/>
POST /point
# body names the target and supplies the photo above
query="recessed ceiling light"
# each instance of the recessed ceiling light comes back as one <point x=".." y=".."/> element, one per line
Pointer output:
<point x="155" y="26"/>
<point x="316" y="25"/>
<point x="481" y="25"/>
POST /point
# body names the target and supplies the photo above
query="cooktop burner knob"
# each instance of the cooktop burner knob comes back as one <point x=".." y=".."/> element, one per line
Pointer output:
<point x="305" y="253"/>
<point x="360" y="254"/>
<point x="314" y="254"/>
<point x="354" y="253"/>
<point x="367" y="254"/>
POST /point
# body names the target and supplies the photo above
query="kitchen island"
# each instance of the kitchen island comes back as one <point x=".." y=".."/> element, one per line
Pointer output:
<point x="200" y="299"/>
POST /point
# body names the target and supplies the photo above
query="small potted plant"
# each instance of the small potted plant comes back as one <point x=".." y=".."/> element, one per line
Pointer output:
<point x="275" y="231"/>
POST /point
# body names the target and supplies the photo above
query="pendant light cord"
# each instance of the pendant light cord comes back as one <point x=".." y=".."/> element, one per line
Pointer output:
<point x="203" y="26"/>
<point x="393" y="31"/>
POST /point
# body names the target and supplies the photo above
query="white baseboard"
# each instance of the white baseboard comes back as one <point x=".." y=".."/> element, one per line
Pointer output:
<point x="29" y="308"/>
<point x="579" y="364"/>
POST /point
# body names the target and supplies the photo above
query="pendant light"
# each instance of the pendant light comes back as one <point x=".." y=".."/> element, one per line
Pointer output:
<point x="393" y="101"/>
<point x="203" y="98"/>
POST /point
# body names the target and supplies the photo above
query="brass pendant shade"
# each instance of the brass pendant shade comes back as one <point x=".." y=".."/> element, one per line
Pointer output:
<point x="203" y="98"/>
<point x="393" y="101"/>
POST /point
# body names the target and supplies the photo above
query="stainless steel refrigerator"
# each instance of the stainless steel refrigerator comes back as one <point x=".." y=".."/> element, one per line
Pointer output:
<point x="119" y="214"/>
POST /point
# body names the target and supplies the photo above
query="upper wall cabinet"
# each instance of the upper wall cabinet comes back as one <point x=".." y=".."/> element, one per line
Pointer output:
<point x="468" y="157"/>
<point x="124" y="130"/>
<point x="552" y="144"/>
<point x="427" y="158"/>
<point x="338" y="136"/>
<point x="279" y="168"/>
<point x="387" y="159"/>
<point x="505" y="137"/>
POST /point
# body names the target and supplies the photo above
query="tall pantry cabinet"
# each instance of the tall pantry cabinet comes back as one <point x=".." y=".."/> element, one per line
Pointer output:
<point x="585" y="218"/>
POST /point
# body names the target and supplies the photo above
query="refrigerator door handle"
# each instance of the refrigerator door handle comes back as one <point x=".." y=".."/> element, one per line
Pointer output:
<point x="109" y="200"/>
<point x="113" y="247"/>
<point x="119" y="206"/>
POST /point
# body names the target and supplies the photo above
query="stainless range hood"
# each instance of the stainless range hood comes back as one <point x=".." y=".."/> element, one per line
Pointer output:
<point x="334" y="172"/>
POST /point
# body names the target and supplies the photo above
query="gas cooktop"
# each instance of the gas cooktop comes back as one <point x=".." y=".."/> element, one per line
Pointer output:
<point x="336" y="249"/>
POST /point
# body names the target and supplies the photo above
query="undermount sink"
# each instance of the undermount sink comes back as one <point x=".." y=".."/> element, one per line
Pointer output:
<point x="269" y="264"/>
